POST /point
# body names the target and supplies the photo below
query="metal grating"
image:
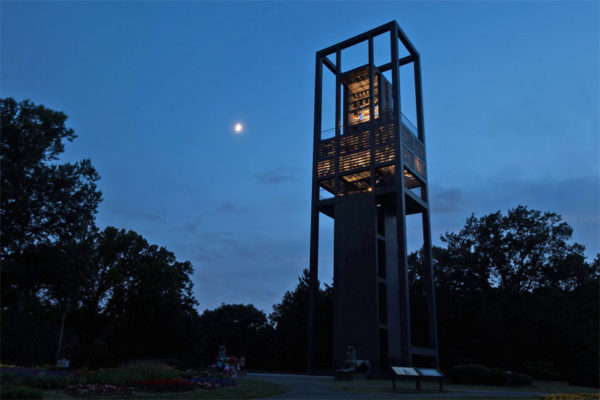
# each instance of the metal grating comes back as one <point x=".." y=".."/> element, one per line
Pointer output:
<point x="384" y="154"/>
<point x="327" y="149"/>
<point x="354" y="143"/>
<point x="355" y="151"/>
<point x="413" y="151"/>
<point x="355" y="160"/>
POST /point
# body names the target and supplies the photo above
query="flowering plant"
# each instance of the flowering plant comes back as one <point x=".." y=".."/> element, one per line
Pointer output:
<point x="212" y="382"/>
<point x="571" y="396"/>
<point x="98" y="390"/>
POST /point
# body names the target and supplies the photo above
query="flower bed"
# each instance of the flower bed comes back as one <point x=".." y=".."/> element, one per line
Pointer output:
<point x="139" y="371"/>
<point x="206" y="382"/>
<point x="571" y="396"/>
<point x="98" y="390"/>
<point x="163" y="385"/>
<point x="41" y="378"/>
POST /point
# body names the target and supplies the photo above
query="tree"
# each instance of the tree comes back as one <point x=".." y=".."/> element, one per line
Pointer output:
<point x="139" y="301"/>
<point x="519" y="252"/>
<point x="42" y="201"/>
<point x="111" y="293"/>
<point x="47" y="210"/>
<point x="513" y="291"/>
<point x="242" y="328"/>
<point x="290" y="318"/>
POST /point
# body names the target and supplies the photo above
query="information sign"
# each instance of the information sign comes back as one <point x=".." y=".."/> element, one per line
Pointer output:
<point x="405" y="371"/>
<point x="429" y="372"/>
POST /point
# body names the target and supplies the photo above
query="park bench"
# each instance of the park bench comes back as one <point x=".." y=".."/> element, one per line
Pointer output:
<point x="418" y="374"/>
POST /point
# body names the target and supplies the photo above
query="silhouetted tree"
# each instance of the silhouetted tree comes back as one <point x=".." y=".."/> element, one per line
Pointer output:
<point x="513" y="291"/>
<point x="111" y="295"/>
<point x="243" y="329"/>
<point x="47" y="215"/>
<point x="290" y="321"/>
<point x="517" y="253"/>
<point x="138" y="301"/>
<point x="42" y="201"/>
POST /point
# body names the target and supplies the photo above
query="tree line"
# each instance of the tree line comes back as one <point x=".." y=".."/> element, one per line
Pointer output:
<point x="512" y="290"/>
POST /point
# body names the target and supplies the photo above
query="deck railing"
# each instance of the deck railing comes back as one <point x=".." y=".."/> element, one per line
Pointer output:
<point x="354" y="148"/>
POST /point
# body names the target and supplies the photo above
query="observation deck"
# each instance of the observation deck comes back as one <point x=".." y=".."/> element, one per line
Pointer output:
<point x="351" y="153"/>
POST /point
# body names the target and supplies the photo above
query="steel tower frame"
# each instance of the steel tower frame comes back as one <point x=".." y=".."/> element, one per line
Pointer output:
<point x="369" y="208"/>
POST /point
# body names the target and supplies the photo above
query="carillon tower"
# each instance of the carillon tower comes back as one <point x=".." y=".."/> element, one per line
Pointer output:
<point x="368" y="176"/>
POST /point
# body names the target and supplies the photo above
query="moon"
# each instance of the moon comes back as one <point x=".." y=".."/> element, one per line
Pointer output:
<point x="238" y="128"/>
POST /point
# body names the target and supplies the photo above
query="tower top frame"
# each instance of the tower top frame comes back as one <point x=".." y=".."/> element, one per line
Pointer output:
<point x="389" y="27"/>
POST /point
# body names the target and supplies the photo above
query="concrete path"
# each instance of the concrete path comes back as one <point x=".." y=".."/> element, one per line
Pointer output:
<point x="323" y="387"/>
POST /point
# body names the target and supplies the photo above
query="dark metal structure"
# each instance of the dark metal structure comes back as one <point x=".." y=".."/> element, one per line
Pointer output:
<point x="372" y="174"/>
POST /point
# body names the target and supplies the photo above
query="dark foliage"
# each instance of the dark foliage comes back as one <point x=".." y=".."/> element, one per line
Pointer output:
<point x="47" y="220"/>
<point x="93" y="390"/>
<point x="243" y="329"/>
<point x="213" y="381"/>
<point x="138" y="301"/>
<point x="290" y="319"/>
<point x="18" y="392"/>
<point x="42" y="201"/>
<point x="481" y="375"/>
<point x="511" y="291"/>
<point x="67" y="289"/>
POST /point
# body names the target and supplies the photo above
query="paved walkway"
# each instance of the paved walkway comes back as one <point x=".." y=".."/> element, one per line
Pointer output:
<point x="323" y="387"/>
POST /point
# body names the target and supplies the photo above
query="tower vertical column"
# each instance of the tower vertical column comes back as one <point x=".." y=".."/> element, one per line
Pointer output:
<point x="313" y="291"/>
<point x="427" y="257"/>
<point x="400" y="203"/>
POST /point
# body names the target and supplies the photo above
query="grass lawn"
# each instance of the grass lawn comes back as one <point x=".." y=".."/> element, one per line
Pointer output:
<point x="405" y="387"/>
<point x="246" y="389"/>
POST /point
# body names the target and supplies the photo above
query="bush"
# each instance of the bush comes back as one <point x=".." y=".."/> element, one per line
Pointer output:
<point x="41" y="378"/>
<point x="213" y="382"/>
<point x="98" y="390"/>
<point x="48" y="382"/>
<point x="132" y="372"/>
<point x="18" y="392"/>
<point x="544" y="370"/>
<point x="469" y="373"/>
<point x="481" y="375"/>
<point x="516" y="379"/>
<point x="498" y="377"/>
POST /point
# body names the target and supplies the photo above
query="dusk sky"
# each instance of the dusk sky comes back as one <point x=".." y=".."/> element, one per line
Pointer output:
<point x="154" y="89"/>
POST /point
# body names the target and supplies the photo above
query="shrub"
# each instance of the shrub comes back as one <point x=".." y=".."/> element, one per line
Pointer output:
<point x="18" y="392"/>
<point x="497" y="376"/>
<point x="469" y="373"/>
<point x="39" y="377"/>
<point x="516" y="379"/>
<point x="8" y="378"/>
<point x="135" y="371"/>
<point x="542" y="370"/>
<point x="189" y="374"/>
<point x="481" y="375"/>
<point x="213" y="383"/>
<point x="98" y="390"/>
<point x="48" y="382"/>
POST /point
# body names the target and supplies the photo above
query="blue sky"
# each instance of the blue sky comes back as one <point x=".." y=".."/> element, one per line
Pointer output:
<point x="153" y="89"/>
